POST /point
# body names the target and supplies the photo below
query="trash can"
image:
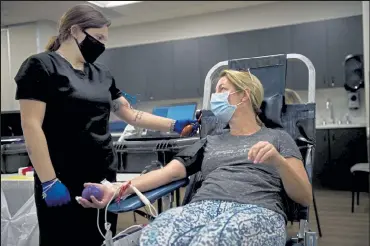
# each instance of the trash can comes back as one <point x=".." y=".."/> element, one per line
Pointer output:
<point x="13" y="157"/>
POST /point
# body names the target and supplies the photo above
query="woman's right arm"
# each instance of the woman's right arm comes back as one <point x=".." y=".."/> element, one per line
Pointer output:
<point x="184" y="164"/>
<point x="32" y="117"/>
<point x="173" y="171"/>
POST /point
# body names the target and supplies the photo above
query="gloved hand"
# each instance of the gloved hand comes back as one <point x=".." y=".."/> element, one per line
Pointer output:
<point x="180" y="124"/>
<point x="55" y="193"/>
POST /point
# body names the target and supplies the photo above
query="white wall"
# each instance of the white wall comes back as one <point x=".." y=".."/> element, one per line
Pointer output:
<point x="256" y="17"/>
<point x="5" y="69"/>
<point x="366" y="10"/>
<point x="45" y="29"/>
<point x="21" y="44"/>
<point x="17" y="43"/>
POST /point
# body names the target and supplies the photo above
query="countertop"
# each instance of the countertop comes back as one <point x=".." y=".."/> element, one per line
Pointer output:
<point x="318" y="126"/>
<point x="340" y="126"/>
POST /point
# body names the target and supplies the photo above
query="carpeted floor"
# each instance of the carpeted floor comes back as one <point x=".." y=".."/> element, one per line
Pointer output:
<point x="339" y="226"/>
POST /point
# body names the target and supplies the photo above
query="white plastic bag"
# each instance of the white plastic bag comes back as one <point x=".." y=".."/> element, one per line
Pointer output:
<point x="22" y="228"/>
<point x="131" y="131"/>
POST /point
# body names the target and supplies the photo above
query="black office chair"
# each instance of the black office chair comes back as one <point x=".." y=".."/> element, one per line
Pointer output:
<point x="298" y="120"/>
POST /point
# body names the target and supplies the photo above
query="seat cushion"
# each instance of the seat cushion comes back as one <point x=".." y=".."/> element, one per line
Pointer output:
<point x="360" y="167"/>
<point x="271" y="111"/>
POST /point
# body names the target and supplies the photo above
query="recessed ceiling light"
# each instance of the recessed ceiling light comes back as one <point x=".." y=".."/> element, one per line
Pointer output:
<point x="111" y="4"/>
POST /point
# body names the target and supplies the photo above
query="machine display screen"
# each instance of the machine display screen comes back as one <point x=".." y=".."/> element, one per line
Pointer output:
<point x="177" y="111"/>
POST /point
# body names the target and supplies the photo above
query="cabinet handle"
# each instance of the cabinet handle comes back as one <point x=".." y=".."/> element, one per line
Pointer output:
<point x="324" y="138"/>
<point x="332" y="82"/>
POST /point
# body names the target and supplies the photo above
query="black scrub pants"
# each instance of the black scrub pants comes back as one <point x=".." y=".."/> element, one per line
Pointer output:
<point x="71" y="224"/>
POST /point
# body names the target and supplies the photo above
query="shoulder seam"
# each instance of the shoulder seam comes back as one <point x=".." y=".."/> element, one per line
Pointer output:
<point x="43" y="63"/>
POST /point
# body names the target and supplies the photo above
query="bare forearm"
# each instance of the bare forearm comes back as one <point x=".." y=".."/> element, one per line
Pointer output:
<point x="138" y="118"/>
<point x="297" y="186"/>
<point x="148" y="181"/>
<point x="150" y="121"/>
<point x="38" y="152"/>
<point x="175" y="170"/>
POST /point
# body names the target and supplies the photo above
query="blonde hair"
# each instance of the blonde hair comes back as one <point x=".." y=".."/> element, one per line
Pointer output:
<point x="245" y="80"/>
<point x="292" y="97"/>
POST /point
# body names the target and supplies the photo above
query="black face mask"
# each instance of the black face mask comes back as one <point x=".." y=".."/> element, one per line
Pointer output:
<point x="90" y="48"/>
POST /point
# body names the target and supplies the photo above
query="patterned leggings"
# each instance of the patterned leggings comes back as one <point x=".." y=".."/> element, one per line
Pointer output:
<point x="216" y="223"/>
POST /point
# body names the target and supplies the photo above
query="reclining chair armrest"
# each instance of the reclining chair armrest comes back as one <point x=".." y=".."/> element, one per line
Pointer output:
<point x="198" y="114"/>
<point x="133" y="202"/>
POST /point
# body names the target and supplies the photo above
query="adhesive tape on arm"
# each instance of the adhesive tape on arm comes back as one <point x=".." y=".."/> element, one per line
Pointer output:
<point x="106" y="183"/>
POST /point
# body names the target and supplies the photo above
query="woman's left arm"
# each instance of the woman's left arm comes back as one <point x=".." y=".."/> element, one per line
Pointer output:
<point x="288" y="163"/>
<point x="295" y="179"/>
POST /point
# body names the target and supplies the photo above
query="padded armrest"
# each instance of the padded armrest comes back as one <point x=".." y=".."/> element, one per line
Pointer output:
<point x="133" y="202"/>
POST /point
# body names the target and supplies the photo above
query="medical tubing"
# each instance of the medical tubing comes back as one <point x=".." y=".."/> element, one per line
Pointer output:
<point x="142" y="198"/>
<point x="124" y="231"/>
<point x="106" y="212"/>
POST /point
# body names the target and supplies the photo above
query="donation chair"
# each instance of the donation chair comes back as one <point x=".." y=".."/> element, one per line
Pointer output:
<point x="297" y="119"/>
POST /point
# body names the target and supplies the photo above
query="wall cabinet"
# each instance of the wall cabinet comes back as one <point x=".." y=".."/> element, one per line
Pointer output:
<point x="344" y="37"/>
<point x="242" y="44"/>
<point x="128" y="68"/>
<point x="212" y="50"/>
<point x="308" y="39"/>
<point x="186" y="69"/>
<point x="177" y="69"/>
<point x="158" y="59"/>
<point x="337" y="150"/>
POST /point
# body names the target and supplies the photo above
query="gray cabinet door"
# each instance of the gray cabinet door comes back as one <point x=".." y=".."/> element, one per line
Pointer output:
<point x="186" y="69"/>
<point x="159" y="71"/>
<point x="211" y="51"/>
<point x="308" y="39"/>
<point x="347" y="148"/>
<point x="320" y="166"/>
<point x="344" y="38"/>
<point x="273" y="41"/>
<point x="243" y="44"/>
<point x="127" y="65"/>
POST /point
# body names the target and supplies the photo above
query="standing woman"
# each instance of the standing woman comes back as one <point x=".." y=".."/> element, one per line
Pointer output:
<point x="65" y="102"/>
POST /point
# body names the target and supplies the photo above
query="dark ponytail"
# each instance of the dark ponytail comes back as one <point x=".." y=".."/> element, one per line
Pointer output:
<point x="53" y="44"/>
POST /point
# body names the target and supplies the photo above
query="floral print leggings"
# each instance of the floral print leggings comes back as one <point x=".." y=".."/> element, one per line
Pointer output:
<point x="216" y="223"/>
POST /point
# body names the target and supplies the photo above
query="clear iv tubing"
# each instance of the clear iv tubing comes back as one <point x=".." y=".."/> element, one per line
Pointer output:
<point x="150" y="206"/>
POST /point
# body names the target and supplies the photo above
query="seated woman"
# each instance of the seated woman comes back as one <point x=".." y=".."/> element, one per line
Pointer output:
<point x="246" y="170"/>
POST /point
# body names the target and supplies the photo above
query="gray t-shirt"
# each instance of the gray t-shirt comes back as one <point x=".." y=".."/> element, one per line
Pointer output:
<point x="230" y="176"/>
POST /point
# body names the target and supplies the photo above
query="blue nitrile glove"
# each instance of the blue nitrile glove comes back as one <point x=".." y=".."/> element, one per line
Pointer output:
<point x="55" y="193"/>
<point x="180" y="124"/>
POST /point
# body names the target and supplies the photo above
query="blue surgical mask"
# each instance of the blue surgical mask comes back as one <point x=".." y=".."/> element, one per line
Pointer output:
<point x="221" y="107"/>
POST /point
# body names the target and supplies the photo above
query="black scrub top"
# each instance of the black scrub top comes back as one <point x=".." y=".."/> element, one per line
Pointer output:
<point x="76" y="122"/>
